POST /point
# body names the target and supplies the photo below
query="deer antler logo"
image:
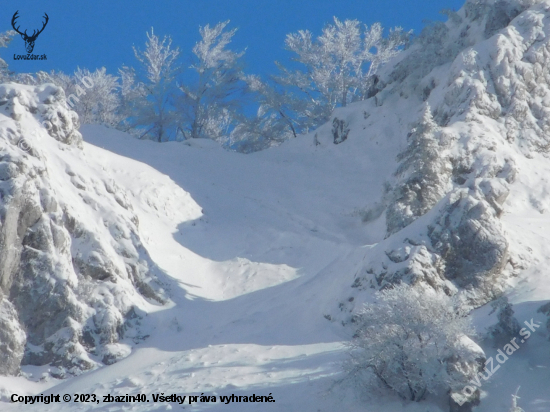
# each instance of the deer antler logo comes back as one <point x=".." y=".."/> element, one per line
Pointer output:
<point x="29" y="40"/>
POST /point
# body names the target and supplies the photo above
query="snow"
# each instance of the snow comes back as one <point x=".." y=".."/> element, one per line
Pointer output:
<point x="257" y="253"/>
<point x="252" y="247"/>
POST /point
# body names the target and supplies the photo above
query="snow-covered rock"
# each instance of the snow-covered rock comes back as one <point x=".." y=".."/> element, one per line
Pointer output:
<point x="480" y="95"/>
<point x="73" y="271"/>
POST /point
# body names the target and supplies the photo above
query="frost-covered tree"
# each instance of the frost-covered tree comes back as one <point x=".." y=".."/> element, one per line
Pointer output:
<point x="272" y="123"/>
<point x="58" y="78"/>
<point x="208" y="104"/>
<point x="257" y="133"/>
<point x="274" y="104"/>
<point x="338" y="66"/>
<point x="94" y="96"/>
<point x="99" y="100"/>
<point x="5" y="39"/>
<point x="424" y="171"/>
<point x="414" y="343"/>
<point x="133" y="95"/>
<point x="148" y="92"/>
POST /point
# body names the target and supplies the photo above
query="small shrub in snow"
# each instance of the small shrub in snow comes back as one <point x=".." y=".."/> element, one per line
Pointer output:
<point x="414" y="342"/>
<point x="507" y="327"/>
<point x="515" y="407"/>
<point x="340" y="130"/>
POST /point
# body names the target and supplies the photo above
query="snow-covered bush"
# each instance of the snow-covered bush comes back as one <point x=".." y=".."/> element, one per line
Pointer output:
<point x="414" y="342"/>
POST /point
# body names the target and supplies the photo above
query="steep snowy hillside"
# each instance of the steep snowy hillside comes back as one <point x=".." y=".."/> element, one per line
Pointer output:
<point x="439" y="180"/>
<point x="75" y="278"/>
<point x="465" y="209"/>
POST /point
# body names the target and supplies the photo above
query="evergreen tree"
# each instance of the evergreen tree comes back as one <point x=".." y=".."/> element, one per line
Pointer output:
<point x="424" y="172"/>
<point x="508" y="326"/>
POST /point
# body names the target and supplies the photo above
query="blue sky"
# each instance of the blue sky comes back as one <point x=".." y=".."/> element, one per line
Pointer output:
<point x="100" y="33"/>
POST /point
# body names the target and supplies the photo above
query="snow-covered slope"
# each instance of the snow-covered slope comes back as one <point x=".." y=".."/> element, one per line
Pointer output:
<point x="251" y="274"/>
<point x="74" y="274"/>
<point x="251" y="268"/>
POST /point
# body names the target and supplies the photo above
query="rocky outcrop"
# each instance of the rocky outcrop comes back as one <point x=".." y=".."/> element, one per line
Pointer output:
<point x="481" y="99"/>
<point x="73" y="272"/>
